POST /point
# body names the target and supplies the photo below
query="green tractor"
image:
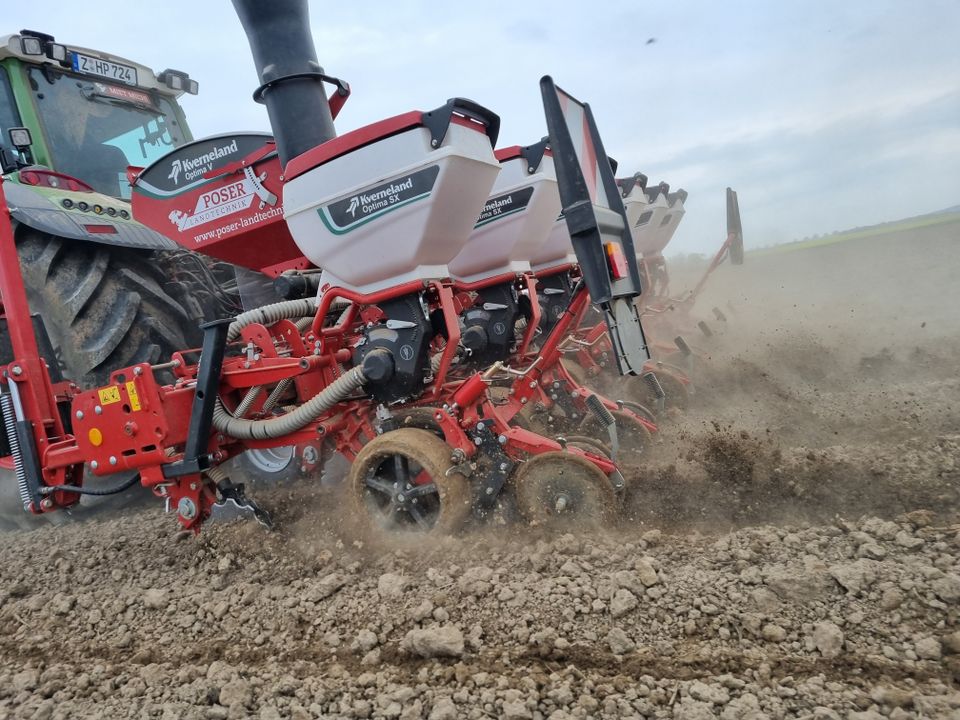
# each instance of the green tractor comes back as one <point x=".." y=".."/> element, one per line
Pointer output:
<point x="106" y="291"/>
<point x="110" y="291"/>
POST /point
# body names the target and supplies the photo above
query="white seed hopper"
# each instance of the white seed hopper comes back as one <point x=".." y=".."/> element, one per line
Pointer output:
<point x="517" y="218"/>
<point x="646" y="209"/>
<point x="383" y="205"/>
<point x="663" y="233"/>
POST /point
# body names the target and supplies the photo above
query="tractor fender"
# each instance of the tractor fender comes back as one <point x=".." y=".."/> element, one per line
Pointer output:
<point x="40" y="213"/>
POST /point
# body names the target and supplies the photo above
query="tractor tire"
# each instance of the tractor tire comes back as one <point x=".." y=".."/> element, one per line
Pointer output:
<point x="104" y="308"/>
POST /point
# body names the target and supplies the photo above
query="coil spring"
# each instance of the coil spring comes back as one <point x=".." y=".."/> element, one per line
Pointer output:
<point x="653" y="382"/>
<point x="600" y="411"/>
<point x="274" y="397"/>
<point x="244" y="407"/>
<point x="10" y="425"/>
<point x="606" y="420"/>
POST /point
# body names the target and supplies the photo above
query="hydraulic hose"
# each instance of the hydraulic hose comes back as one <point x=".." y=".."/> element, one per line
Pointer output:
<point x="125" y="485"/>
<point x="276" y="427"/>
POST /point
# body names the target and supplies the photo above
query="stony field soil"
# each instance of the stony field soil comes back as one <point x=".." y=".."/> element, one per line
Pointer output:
<point x="791" y="549"/>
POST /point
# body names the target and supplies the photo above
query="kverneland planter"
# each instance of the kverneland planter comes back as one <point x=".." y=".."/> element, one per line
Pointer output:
<point x="383" y="353"/>
<point x="646" y="210"/>
<point x="673" y="312"/>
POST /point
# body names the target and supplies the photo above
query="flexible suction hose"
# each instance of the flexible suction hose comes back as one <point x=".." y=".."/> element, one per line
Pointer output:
<point x="269" y="314"/>
<point x="270" y="428"/>
<point x="266" y="315"/>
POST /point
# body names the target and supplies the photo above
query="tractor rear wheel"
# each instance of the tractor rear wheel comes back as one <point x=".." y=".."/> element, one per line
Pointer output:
<point x="104" y="308"/>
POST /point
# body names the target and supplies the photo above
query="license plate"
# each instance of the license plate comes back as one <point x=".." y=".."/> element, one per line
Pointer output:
<point x="104" y="68"/>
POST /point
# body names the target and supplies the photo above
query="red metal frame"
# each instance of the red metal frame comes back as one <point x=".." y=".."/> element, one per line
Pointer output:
<point x="28" y="370"/>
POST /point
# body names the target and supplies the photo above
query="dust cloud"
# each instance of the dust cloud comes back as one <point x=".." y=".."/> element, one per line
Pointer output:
<point x="789" y="549"/>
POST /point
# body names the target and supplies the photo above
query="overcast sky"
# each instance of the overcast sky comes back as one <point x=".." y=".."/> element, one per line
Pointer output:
<point x="822" y="114"/>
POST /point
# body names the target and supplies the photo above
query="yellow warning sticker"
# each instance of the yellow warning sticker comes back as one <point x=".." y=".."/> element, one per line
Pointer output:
<point x="134" y="397"/>
<point x="109" y="395"/>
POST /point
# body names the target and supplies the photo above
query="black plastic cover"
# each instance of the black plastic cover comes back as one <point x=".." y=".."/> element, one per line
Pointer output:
<point x="595" y="216"/>
<point x="191" y="165"/>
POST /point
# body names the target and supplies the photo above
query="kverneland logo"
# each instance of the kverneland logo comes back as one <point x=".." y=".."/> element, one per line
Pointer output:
<point x="497" y="204"/>
<point x="385" y="193"/>
<point x="355" y="210"/>
<point x="196" y="166"/>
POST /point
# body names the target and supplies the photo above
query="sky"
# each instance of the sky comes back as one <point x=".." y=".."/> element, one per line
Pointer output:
<point x="823" y="115"/>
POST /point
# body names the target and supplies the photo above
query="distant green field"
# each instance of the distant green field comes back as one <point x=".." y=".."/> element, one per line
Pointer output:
<point x="874" y="231"/>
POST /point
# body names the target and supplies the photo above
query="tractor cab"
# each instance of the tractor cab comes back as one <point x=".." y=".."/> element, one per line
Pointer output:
<point x="84" y="114"/>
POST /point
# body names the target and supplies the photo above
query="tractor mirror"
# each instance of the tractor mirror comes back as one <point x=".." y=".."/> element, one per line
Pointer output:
<point x="8" y="160"/>
<point x="20" y="138"/>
